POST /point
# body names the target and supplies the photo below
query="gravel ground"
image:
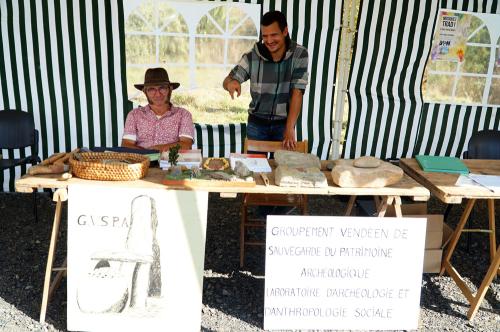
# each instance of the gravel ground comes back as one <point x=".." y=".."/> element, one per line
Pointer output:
<point x="233" y="298"/>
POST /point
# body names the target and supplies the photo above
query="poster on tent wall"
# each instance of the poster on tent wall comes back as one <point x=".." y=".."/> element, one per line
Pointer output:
<point x="135" y="258"/>
<point x="450" y="40"/>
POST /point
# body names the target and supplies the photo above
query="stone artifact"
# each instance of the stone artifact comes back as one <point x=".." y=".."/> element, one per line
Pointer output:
<point x="196" y="171"/>
<point x="296" y="159"/>
<point x="241" y="169"/>
<point x="222" y="176"/>
<point x="345" y="174"/>
<point x="310" y="177"/>
<point x="367" y="162"/>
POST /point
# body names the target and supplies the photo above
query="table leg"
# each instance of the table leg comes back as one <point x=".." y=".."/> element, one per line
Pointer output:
<point x="456" y="235"/>
<point x="397" y="206"/>
<point x="61" y="272"/>
<point x="243" y="221"/>
<point x="491" y="216"/>
<point x="492" y="271"/>
<point x="58" y="197"/>
<point x="386" y="201"/>
<point x="350" y="205"/>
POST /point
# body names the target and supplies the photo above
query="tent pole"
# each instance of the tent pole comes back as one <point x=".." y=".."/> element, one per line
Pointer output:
<point x="348" y="30"/>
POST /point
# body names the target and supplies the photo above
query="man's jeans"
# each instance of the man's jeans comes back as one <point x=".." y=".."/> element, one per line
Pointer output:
<point x="266" y="132"/>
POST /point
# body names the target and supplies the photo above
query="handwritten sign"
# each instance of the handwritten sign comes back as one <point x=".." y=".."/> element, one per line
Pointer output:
<point x="343" y="272"/>
<point x="135" y="258"/>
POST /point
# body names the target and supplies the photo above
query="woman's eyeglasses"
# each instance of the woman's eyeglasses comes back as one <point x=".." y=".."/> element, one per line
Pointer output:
<point x="154" y="90"/>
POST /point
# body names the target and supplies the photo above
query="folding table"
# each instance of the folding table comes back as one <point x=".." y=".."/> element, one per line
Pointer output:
<point x="391" y="195"/>
<point x="442" y="185"/>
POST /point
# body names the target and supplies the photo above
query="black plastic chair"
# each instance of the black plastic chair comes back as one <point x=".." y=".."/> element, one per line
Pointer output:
<point x="17" y="132"/>
<point x="483" y="145"/>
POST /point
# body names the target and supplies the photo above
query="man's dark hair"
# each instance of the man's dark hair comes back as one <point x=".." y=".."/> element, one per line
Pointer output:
<point x="274" y="16"/>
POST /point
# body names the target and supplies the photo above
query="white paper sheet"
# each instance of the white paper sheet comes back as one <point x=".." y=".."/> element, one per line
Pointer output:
<point x="491" y="182"/>
<point x="465" y="181"/>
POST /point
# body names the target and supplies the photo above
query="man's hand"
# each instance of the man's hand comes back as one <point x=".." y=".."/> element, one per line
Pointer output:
<point x="289" y="141"/>
<point x="185" y="143"/>
<point x="232" y="85"/>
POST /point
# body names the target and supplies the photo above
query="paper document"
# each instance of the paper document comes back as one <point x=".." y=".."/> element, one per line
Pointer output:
<point x="490" y="182"/>
<point x="254" y="162"/>
<point x="465" y="181"/>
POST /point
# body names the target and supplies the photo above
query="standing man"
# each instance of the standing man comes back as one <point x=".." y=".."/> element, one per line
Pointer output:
<point x="277" y="70"/>
<point x="159" y="125"/>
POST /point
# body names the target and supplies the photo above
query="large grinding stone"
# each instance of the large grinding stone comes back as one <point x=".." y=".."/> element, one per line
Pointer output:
<point x="296" y="159"/>
<point x="103" y="290"/>
<point x="345" y="174"/>
<point x="310" y="177"/>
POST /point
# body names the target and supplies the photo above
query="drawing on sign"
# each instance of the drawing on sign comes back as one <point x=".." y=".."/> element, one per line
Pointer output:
<point x="122" y="245"/>
<point x="123" y="280"/>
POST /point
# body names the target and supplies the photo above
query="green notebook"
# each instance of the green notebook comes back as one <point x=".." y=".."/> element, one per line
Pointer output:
<point x="442" y="164"/>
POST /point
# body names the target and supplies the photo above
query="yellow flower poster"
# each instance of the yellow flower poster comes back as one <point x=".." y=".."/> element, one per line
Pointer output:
<point x="450" y="40"/>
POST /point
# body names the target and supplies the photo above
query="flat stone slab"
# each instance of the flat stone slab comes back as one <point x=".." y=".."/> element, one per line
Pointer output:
<point x="345" y="174"/>
<point x="296" y="159"/>
<point x="310" y="177"/>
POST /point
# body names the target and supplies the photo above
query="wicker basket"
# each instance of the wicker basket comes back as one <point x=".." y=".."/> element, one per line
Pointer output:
<point x="109" y="166"/>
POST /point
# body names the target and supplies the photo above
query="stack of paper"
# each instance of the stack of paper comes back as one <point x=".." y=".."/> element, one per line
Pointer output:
<point x="187" y="158"/>
<point x="255" y="162"/>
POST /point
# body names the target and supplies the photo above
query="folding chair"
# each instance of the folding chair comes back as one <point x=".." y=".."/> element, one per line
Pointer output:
<point x="298" y="201"/>
<point x="17" y="132"/>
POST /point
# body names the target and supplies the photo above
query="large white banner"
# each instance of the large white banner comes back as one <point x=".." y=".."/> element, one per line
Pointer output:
<point x="343" y="272"/>
<point x="135" y="258"/>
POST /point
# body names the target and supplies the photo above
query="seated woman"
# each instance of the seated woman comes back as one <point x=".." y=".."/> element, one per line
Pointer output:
<point x="158" y="125"/>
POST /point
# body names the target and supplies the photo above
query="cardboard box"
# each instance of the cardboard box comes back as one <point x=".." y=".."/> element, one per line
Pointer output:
<point x="408" y="209"/>
<point x="436" y="238"/>
<point x="432" y="260"/>
<point x="433" y="257"/>
<point x="434" y="230"/>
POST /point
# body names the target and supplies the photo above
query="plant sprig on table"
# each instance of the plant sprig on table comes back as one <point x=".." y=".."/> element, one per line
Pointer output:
<point x="173" y="155"/>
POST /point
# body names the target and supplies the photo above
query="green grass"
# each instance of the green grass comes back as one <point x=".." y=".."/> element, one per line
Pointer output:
<point x="209" y="103"/>
<point x="213" y="105"/>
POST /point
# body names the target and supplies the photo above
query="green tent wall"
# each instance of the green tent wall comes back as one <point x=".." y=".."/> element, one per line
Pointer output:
<point x="64" y="61"/>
